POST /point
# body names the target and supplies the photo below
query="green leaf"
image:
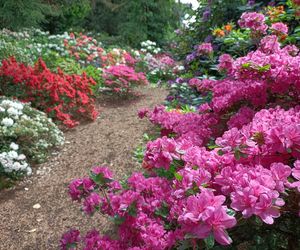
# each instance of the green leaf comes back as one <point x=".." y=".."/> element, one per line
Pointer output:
<point x="209" y="242"/>
<point x="230" y="212"/>
<point x="178" y="177"/>
<point x="163" y="211"/>
<point x="220" y="152"/>
<point x="132" y="209"/>
<point x="213" y="146"/>
<point x="118" y="220"/>
<point x="264" y="68"/>
<point x="246" y="65"/>
<point x="297" y="29"/>
<point x="100" y="179"/>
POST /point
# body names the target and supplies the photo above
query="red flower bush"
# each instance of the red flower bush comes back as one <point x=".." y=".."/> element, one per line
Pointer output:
<point x="122" y="78"/>
<point x="66" y="98"/>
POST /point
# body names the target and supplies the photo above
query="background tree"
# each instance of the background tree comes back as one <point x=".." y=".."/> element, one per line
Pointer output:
<point x="134" y="21"/>
<point x="16" y="14"/>
<point x="71" y="14"/>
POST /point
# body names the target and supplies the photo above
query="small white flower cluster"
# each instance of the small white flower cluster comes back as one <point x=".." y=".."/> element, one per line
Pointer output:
<point x="188" y="20"/>
<point x="13" y="110"/>
<point x="9" y="49"/>
<point x="150" y="47"/>
<point x="11" y="161"/>
<point x="179" y="68"/>
<point x="39" y="32"/>
<point x="34" y="131"/>
<point x="16" y="35"/>
<point x="136" y="53"/>
<point x="65" y="35"/>
<point x="37" y="49"/>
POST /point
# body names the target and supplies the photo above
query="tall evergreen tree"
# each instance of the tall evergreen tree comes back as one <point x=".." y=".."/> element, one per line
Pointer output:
<point x="134" y="21"/>
<point x="16" y="14"/>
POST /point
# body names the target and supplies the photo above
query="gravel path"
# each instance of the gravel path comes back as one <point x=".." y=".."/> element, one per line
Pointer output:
<point x="110" y="140"/>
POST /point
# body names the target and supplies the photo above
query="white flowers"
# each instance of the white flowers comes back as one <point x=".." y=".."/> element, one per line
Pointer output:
<point x="188" y="20"/>
<point x="33" y="129"/>
<point x="7" y="122"/>
<point x="12" y="161"/>
<point x="14" y="146"/>
<point x="149" y="46"/>
<point x="12" y="111"/>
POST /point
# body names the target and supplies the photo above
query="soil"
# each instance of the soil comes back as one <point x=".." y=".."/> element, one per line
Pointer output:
<point x="110" y="140"/>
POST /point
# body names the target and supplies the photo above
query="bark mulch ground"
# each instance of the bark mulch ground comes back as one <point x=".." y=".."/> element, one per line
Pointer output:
<point x="110" y="140"/>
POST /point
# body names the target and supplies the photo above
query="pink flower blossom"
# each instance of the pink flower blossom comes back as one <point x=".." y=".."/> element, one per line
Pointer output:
<point x="254" y="21"/>
<point x="91" y="203"/>
<point x="280" y="28"/>
<point x="205" y="49"/>
<point x="70" y="239"/>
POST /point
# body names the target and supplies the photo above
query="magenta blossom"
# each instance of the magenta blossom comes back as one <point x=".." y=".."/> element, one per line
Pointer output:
<point x="280" y="28"/>
<point x="91" y="203"/>
<point x="205" y="49"/>
<point x="143" y="112"/>
<point x="81" y="187"/>
<point x="254" y="21"/>
<point x="204" y="214"/>
<point x="161" y="152"/>
<point x="69" y="240"/>
<point x="102" y="170"/>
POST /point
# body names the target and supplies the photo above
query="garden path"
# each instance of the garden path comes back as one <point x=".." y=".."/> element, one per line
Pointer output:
<point x="109" y="140"/>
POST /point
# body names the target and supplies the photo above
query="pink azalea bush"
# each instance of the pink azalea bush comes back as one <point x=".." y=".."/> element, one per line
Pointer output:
<point x="236" y="158"/>
<point x="122" y="78"/>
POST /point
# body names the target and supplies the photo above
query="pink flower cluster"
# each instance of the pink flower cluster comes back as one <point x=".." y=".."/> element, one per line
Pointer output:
<point x="258" y="78"/>
<point x="255" y="190"/>
<point x="205" y="49"/>
<point x="204" y="214"/>
<point x="165" y="59"/>
<point x="238" y="156"/>
<point x="122" y="79"/>
<point x="192" y="127"/>
<point x="160" y="153"/>
<point x="241" y="118"/>
<point x="271" y="132"/>
<point x="254" y="21"/>
<point x="280" y="28"/>
<point x="202" y="190"/>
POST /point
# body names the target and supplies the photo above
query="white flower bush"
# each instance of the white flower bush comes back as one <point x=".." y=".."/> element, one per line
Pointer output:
<point x="13" y="162"/>
<point x="26" y="135"/>
<point x="9" y="48"/>
<point x="150" y="47"/>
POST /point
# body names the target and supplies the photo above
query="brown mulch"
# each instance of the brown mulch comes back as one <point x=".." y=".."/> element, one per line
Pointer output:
<point x="110" y="140"/>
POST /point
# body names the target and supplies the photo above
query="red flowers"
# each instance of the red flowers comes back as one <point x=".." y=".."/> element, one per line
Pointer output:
<point x="67" y="98"/>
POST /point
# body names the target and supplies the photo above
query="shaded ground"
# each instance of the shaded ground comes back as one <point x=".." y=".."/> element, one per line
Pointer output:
<point x="110" y="140"/>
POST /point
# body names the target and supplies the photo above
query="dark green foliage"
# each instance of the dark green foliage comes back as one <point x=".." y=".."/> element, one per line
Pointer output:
<point x="71" y="15"/>
<point x="55" y="16"/>
<point x="256" y="235"/>
<point x="182" y="95"/>
<point x="135" y="21"/>
<point x="120" y="21"/>
<point x="16" y="14"/>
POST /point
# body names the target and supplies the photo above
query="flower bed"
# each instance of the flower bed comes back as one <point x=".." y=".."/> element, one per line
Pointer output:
<point x="66" y="98"/>
<point x="234" y="163"/>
